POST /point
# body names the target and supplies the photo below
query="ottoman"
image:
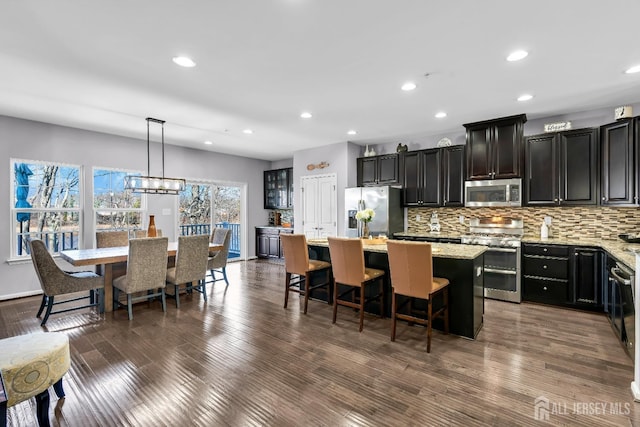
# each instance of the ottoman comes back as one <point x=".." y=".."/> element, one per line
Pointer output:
<point x="30" y="364"/>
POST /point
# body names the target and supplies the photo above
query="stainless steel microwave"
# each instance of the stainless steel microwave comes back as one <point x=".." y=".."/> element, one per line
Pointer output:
<point x="493" y="192"/>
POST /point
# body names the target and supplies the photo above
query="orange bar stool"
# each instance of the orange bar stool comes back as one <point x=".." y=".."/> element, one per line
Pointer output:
<point x="411" y="269"/>
<point x="347" y="259"/>
<point x="296" y="259"/>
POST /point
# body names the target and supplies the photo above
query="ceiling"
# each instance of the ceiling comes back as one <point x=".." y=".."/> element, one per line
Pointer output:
<point x="106" y="66"/>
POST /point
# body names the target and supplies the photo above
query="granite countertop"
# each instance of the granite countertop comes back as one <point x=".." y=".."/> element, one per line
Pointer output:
<point x="440" y="250"/>
<point x="439" y="235"/>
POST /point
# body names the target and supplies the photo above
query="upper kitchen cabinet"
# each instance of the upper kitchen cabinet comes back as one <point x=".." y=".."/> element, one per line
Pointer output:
<point x="618" y="183"/>
<point x="562" y="168"/>
<point x="494" y="148"/>
<point x="378" y="170"/>
<point x="433" y="177"/>
<point x="278" y="189"/>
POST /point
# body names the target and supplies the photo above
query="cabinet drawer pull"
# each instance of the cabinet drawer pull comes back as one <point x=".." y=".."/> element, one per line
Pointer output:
<point x="545" y="249"/>
<point x="544" y="288"/>
<point x="544" y="266"/>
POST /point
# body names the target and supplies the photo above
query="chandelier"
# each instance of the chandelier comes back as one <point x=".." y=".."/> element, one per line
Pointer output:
<point x="154" y="184"/>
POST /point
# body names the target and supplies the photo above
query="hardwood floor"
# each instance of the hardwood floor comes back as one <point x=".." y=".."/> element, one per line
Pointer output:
<point x="243" y="360"/>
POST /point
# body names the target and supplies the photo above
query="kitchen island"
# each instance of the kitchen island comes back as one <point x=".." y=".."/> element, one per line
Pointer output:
<point x="461" y="264"/>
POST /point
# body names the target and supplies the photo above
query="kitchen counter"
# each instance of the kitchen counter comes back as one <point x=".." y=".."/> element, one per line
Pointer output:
<point x="461" y="264"/>
<point x="439" y="250"/>
<point x="429" y="234"/>
<point x="274" y="227"/>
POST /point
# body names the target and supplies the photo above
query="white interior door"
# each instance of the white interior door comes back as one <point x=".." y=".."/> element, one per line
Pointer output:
<point x="320" y="205"/>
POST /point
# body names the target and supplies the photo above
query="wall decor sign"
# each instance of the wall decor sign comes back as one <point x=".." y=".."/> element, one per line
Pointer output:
<point x="557" y="127"/>
<point x="623" y="112"/>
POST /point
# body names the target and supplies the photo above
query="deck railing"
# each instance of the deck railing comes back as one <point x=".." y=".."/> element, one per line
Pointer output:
<point x="55" y="241"/>
<point x="234" y="246"/>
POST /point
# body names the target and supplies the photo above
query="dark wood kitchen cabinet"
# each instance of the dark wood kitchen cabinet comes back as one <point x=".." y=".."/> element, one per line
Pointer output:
<point x="378" y="170"/>
<point x="278" y="188"/>
<point x="494" y="148"/>
<point x="268" y="242"/>
<point x="618" y="183"/>
<point x="545" y="273"/>
<point x="562" y="168"/>
<point x="434" y="177"/>
<point x="587" y="277"/>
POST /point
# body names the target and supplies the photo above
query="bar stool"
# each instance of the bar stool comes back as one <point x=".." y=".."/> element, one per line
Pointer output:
<point x="347" y="258"/>
<point x="296" y="259"/>
<point x="411" y="269"/>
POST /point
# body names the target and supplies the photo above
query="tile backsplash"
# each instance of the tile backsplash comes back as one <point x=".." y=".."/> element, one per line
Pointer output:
<point x="567" y="222"/>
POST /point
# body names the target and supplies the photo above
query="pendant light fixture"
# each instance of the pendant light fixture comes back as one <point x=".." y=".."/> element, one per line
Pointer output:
<point x="153" y="184"/>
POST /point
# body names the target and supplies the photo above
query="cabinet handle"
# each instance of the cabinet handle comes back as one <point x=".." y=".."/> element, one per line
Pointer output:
<point x="560" y="200"/>
<point x="555" y="200"/>
<point x="544" y="266"/>
<point x="604" y="199"/>
<point x="545" y="249"/>
<point x="544" y="288"/>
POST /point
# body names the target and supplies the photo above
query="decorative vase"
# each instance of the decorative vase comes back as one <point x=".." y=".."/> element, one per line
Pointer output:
<point x="365" y="230"/>
<point x="151" y="231"/>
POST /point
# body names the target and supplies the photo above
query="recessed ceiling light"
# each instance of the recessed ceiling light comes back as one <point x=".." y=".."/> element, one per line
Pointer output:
<point x="247" y="131"/>
<point x="441" y="115"/>
<point x="517" y="55"/>
<point x="634" y="69"/>
<point x="352" y="132"/>
<point x="409" y="86"/>
<point x="184" y="61"/>
<point x="525" y="97"/>
<point x="306" y="115"/>
<point x="208" y="143"/>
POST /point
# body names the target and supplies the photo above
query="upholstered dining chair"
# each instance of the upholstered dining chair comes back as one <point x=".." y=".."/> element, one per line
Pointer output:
<point x="347" y="261"/>
<point x="218" y="260"/>
<point x="146" y="271"/>
<point x="55" y="282"/>
<point x="111" y="239"/>
<point x="191" y="266"/>
<point x="411" y="269"/>
<point x="296" y="261"/>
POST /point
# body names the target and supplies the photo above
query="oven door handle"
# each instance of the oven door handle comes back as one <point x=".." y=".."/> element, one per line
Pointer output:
<point x="510" y="250"/>
<point x="499" y="271"/>
<point x="614" y="273"/>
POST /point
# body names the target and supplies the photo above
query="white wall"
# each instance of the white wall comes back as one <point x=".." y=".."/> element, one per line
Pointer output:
<point x="24" y="139"/>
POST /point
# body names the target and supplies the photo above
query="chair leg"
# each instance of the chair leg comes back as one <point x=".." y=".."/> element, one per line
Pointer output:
<point x="203" y="289"/>
<point x="164" y="301"/>
<point x="176" y="290"/>
<point x="92" y="296"/>
<point x="48" y="312"/>
<point x="224" y="274"/>
<point x="101" y="300"/>
<point x="129" y="307"/>
<point x="361" y="307"/>
<point x="287" y="280"/>
<point x="42" y="304"/>
<point x="446" y="310"/>
<point x="57" y="387"/>
<point x="42" y="408"/>
<point x="307" y="285"/>
<point x="429" y="312"/>
<point x="393" y="315"/>
<point x="335" y="300"/>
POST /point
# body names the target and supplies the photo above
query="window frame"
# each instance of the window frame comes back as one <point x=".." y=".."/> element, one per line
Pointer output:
<point x="143" y="200"/>
<point x="13" y="211"/>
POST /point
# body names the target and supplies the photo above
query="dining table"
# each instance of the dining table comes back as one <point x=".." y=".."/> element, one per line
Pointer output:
<point x="108" y="259"/>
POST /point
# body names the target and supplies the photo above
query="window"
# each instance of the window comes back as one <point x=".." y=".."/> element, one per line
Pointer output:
<point x="195" y="209"/>
<point x="115" y="208"/>
<point x="46" y="205"/>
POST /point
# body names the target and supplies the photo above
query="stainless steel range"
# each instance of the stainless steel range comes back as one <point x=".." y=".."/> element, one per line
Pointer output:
<point x="503" y="235"/>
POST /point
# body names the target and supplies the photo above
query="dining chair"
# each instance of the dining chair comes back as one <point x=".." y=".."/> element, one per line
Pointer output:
<point x="111" y="239"/>
<point x="146" y="271"/>
<point x="296" y="261"/>
<point x="218" y="260"/>
<point x="191" y="266"/>
<point x="347" y="261"/>
<point x="411" y="270"/>
<point x="55" y="282"/>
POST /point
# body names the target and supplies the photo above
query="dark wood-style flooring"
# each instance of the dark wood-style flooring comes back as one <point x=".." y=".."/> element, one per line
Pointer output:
<point x="243" y="360"/>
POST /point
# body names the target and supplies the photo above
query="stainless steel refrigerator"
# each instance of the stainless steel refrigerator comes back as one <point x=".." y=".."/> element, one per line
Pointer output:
<point x="385" y="201"/>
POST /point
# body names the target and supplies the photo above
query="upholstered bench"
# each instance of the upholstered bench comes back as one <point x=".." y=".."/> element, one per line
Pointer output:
<point x="30" y="364"/>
